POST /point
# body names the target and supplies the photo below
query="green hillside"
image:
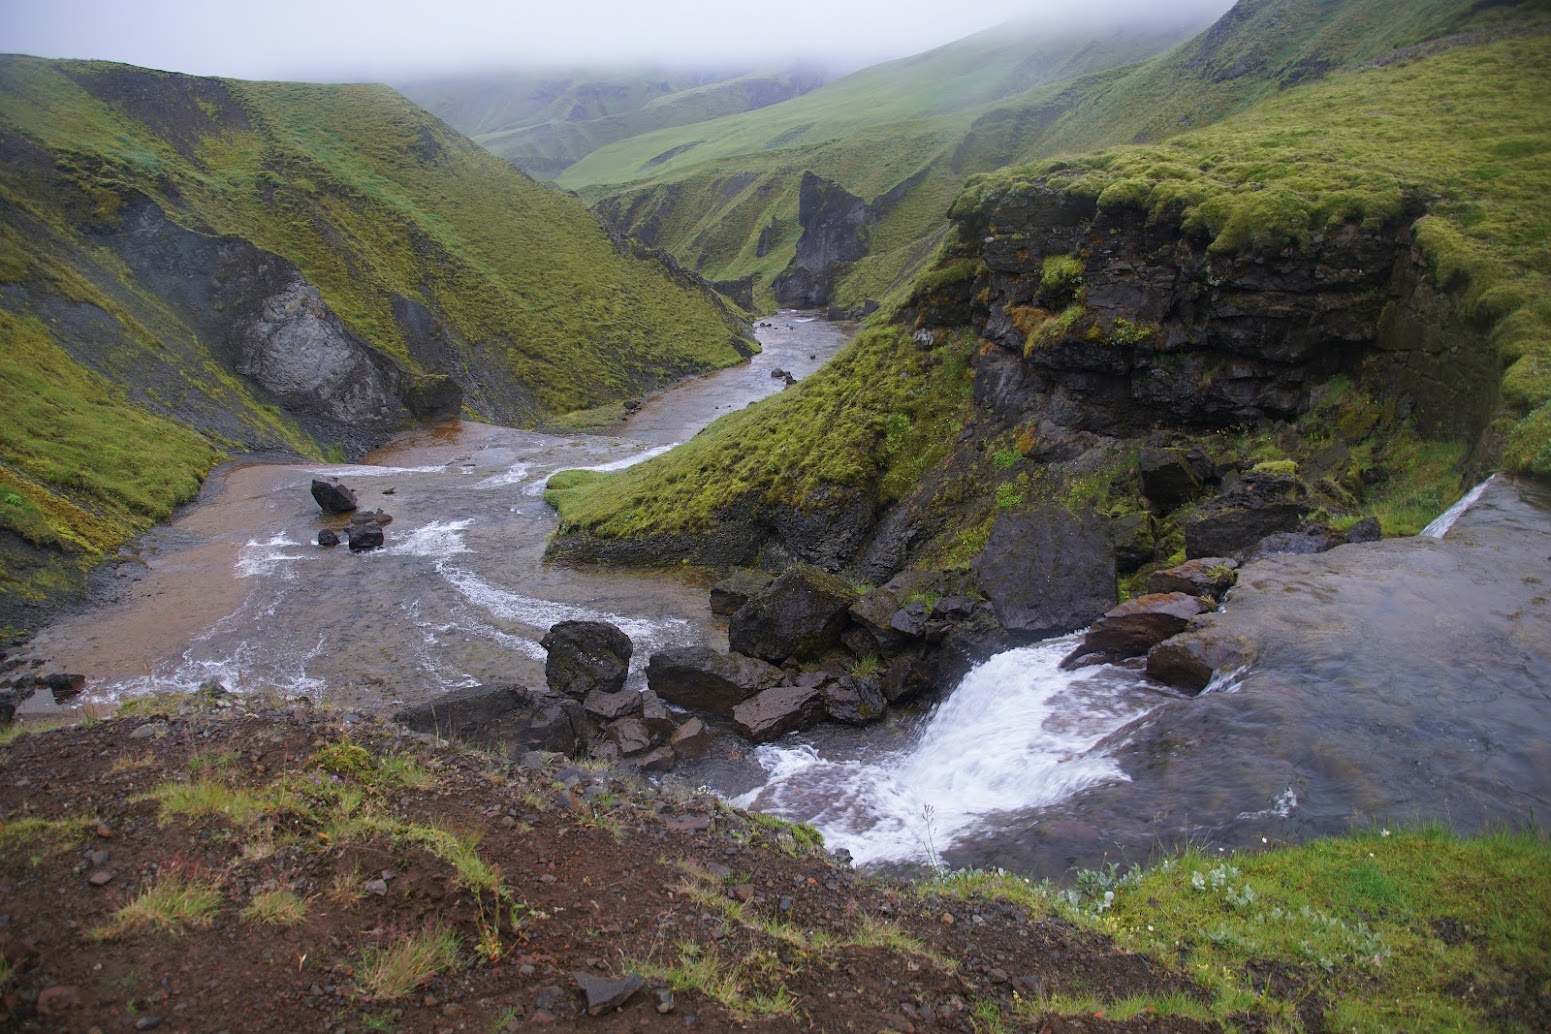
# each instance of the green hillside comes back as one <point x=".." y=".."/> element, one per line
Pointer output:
<point x="723" y="196"/>
<point x="1458" y="130"/>
<point x="144" y="216"/>
<point x="544" y="124"/>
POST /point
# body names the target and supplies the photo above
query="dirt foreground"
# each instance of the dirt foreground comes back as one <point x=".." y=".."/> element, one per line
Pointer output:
<point x="285" y="869"/>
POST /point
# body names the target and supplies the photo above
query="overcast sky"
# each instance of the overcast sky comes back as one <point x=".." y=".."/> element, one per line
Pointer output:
<point x="396" y="39"/>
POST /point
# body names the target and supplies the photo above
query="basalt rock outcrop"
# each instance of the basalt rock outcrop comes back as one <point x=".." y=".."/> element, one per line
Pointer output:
<point x="586" y="657"/>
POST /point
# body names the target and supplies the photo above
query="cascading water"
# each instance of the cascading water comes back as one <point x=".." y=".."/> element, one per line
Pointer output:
<point x="1441" y="524"/>
<point x="1017" y="733"/>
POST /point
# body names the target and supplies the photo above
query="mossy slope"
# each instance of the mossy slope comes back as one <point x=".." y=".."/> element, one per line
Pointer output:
<point x="437" y="256"/>
<point x="1459" y="131"/>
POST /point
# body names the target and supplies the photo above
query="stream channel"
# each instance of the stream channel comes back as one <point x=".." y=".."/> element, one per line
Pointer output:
<point x="1407" y="681"/>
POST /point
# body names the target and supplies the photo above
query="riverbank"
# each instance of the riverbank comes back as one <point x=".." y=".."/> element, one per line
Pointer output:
<point x="262" y="865"/>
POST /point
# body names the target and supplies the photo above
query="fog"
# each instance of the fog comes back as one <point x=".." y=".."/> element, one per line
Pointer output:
<point x="395" y="39"/>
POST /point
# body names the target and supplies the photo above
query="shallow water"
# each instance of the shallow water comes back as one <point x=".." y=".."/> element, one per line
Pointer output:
<point x="236" y="589"/>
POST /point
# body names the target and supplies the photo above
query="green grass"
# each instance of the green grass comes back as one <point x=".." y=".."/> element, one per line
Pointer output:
<point x="371" y="199"/>
<point x="1384" y="930"/>
<point x="275" y="908"/>
<point x="886" y="408"/>
<point x="397" y="969"/>
<point x="169" y="905"/>
<point x="1355" y="148"/>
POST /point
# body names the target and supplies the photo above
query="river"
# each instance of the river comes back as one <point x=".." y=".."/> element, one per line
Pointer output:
<point x="1396" y="681"/>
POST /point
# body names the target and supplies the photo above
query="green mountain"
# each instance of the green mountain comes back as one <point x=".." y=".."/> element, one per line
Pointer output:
<point x="544" y="124"/>
<point x="1341" y="287"/>
<point x="189" y="266"/>
<point x="863" y="167"/>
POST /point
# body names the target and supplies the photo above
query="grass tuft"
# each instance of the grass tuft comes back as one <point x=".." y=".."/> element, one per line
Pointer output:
<point x="169" y="905"/>
<point x="397" y="969"/>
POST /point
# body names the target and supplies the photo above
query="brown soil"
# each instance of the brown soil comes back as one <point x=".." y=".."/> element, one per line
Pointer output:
<point x="611" y="877"/>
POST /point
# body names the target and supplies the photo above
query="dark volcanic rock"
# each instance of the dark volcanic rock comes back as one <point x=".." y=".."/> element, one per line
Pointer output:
<point x="1204" y="576"/>
<point x="778" y="711"/>
<point x="1234" y="522"/>
<point x="1168" y="478"/>
<point x="873" y="616"/>
<point x="1047" y="572"/>
<point x="737" y="588"/>
<point x="1182" y="662"/>
<point x="328" y="537"/>
<point x="691" y="740"/>
<point x="364" y="537"/>
<point x="1365" y="530"/>
<point x="853" y="700"/>
<point x="800" y="615"/>
<point x="332" y="496"/>
<point x="630" y="735"/>
<point x="1135" y="540"/>
<point x="64" y="686"/>
<point x="699" y="678"/>
<point x="605" y="995"/>
<point x="377" y="516"/>
<point x="655" y="714"/>
<point x="1137" y="625"/>
<point x="503" y="715"/>
<point x="586" y="657"/>
<point x="608" y="706"/>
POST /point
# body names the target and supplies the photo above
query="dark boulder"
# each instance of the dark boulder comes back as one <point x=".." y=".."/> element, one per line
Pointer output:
<point x="853" y="700"/>
<point x="737" y="589"/>
<point x="630" y="735"/>
<point x="910" y="674"/>
<point x="1309" y="537"/>
<point x="605" y="995"/>
<point x="609" y="706"/>
<point x="377" y="516"/>
<point x="332" y="496"/>
<point x="778" y="711"/>
<point x="872" y="617"/>
<point x="1169" y="479"/>
<point x="503" y="715"/>
<point x="1365" y="530"/>
<point x="586" y="657"/>
<point x="911" y="620"/>
<point x="1047" y="572"/>
<point x="1180" y="662"/>
<point x="798" y="617"/>
<point x="365" y="536"/>
<point x="1209" y="576"/>
<point x="691" y="740"/>
<point x="660" y="760"/>
<point x="655" y="714"/>
<point x="328" y="538"/>
<point x="1260" y="503"/>
<point x="64" y="686"/>
<point x="1137" y="625"/>
<point x="699" y="678"/>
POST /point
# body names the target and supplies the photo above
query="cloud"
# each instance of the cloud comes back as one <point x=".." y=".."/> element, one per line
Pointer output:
<point x="392" y="39"/>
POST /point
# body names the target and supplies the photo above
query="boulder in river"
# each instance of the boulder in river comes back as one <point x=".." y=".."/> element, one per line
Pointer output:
<point x="699" y="678"/>
<point x="738" y="588"/>
<point x="365" y="536"/>
<point x="503" y="715"/>
<point x="778" y="711"/>
<point x="1136" y="626"/>
<point x="1047" y="572"/>
<point x="332" y="496"/>
<point x="853" y="700"/>
<point x="328" y="537"/>
<point x="609" y="706"/>
<point x="800" y="616"/>
<point x="691" y="740"/>
<point x="586" y="657"/>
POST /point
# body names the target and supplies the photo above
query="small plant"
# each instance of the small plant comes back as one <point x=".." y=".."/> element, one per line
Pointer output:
<point x="1008" y="496"/>
<point x="173" y="902"/>
<point x="276" y="908"/>
<point x="394" y="971"/>
<point x="866" y="666"/>
<point x="929" y="836"/>
<point x="1005" y="458"/>
<point x="1060" y="272"/>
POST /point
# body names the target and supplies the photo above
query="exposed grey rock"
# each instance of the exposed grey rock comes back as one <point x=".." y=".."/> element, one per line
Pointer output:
<point x="1135" y="540"/>
<point x="1234" y="522"/>
<point x="778" y="711"/>
<point x="605" y="995"/>
<point x="1209" y="576"/>
<point x="328" y="537"/>
<point x="1047" y="572"/>
<point x="332" y="496"/>
<point x="799" y="616"/>
<point x="660" y="760"/>
<point x="630" y="735"/>
<point x="655" y="714"/>
<point x="873" y="616"/>
<point x="503" y="715"/>
<point x="609" y="706"/>
<point x="1365" y="530"/>
<point x="691" y="740"/>
<point x="1183" y="662"/>
<point x="1168" y="479"/>
<point x="586" y="656"/>
<point x="64" y="685"/>
<point x="853" y="700"/>
<point x="1137" y="625"/>
<point x="365" y="536"/>
<point x="737" y="588"/>
<point x="699" y="678"/>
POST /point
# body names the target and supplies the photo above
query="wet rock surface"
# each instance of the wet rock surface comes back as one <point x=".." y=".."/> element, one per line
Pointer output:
<point x="585" y="657"/>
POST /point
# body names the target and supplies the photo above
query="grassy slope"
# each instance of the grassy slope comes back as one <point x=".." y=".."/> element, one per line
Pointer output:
<point x="1337" y="148"/>
<point x="328" y="177"/>
<point x="714" y="187"/>
<point x="1466" y="130"/>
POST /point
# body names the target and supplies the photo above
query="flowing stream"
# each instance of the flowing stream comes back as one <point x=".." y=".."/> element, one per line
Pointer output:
<point x="1402" y="680"/>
